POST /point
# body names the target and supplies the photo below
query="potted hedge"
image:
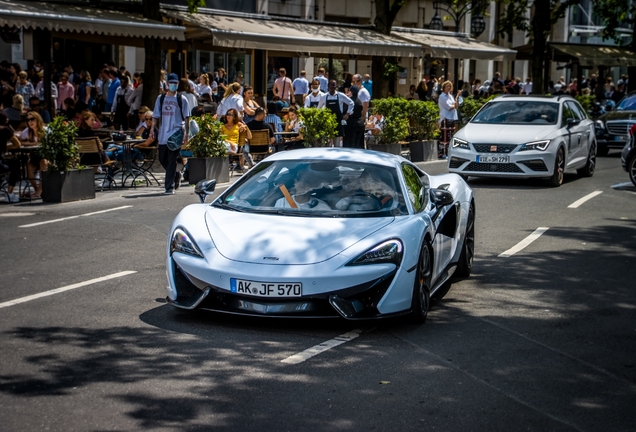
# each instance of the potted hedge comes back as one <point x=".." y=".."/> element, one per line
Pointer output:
<point x="210" y="160"/>
<point x="424" y="117"/>
<point x="395" y="129"/>
<point x="319" y="126"/>
<point x="64" y="180"/>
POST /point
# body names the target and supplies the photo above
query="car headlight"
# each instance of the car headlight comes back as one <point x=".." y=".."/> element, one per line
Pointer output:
<point x="536" y="145"/>
<point x="598" y="124"/>
<point x="456" y="142"/>
<point x="181" y="242"/>
<point x="388" y="252"/>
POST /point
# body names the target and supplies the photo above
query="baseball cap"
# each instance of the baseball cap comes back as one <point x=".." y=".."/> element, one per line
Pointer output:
<point x="173" y="77"/>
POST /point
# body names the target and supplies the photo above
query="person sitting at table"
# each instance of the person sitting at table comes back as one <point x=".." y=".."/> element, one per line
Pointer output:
<point x="259" y="123"/>
<point x="273" y="119"/>
<point x="35" y="106"/>
<point x="141" y="113"/>
<point x="30" y="137"/>
<point x="249" y="104"/>
<point x="232" y="130"/>
<point x="68" y="109"/>
<point x="15" y="112"/>
<point x="8" y="141"/>
<point x="88" y="125"/>
<point x="145" y="134"/>
<point x="294" y="124"/>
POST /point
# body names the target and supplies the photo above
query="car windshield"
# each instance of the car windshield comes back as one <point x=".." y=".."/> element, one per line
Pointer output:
<point x="627" y="104"/>
<point x="317" y="188"/>
<point x="518" y="112"/>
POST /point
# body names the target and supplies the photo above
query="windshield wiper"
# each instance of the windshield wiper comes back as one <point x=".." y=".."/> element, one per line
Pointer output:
<point x="227" y="207"/>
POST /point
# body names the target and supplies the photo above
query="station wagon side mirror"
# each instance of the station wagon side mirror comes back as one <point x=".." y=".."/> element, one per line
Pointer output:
<point x="205" y="188"/>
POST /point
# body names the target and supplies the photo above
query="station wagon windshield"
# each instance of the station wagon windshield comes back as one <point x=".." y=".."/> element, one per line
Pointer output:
<point x="518" y="112"/>
<point x="317" y="188"/>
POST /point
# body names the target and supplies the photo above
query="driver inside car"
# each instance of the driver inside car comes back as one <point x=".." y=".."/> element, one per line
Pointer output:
<point x="368" y="193"/>
<point x="302" y="198"/>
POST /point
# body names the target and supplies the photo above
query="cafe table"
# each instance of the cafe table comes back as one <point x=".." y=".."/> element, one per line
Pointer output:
<point x="130" y="170"/>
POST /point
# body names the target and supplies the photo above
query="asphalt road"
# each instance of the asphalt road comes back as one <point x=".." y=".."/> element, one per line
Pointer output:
<point x="543" y="340"/>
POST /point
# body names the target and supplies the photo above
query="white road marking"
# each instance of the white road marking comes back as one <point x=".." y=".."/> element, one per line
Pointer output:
<point x="16" y="214"/>
<point x="524" y="243"/>
<point x="577" y="203"/>
<point x="72" y="217"/>
<point x="64" y="288"/>
<point x="322" y="347"/>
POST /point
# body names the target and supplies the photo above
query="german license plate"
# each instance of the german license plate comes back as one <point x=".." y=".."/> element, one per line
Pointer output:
<point x="491" y="159"/>
<point x="620" y="138"/>
<point x="266" y="289"/>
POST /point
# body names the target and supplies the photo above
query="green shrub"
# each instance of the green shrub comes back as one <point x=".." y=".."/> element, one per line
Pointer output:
<point x="58" y="145"/>
<point x="319" y="126"/>
<point x="586" y="101"/>
<point x="210" y="141"/>
<point x="424" y="118"/>
<point x="394" y="130"/>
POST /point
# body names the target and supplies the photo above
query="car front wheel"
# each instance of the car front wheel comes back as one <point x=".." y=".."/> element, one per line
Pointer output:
<point x="559" y="169"/>
<point x="631" y="169"/>
<point x="421" y="302"/>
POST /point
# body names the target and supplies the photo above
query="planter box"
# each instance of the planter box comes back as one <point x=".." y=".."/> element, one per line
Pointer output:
<point x="422" y="151"/>
<point x="395" y="149"/>
<point x="208" y="169"/>
<point x="65" y="186"/>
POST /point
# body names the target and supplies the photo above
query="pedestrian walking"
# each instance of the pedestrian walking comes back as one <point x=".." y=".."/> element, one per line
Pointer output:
<point x="301" y="88"/>
<point x="283" y="86"/>
<point x="173" y="111"/>
<point x="447" y="114"/>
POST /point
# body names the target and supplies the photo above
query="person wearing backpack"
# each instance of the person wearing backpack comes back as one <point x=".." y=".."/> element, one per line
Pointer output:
<point x="173" y="113"/>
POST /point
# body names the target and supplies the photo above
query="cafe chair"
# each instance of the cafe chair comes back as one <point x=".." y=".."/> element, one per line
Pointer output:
<point x="92" y="154"/>
<point x="145" y="165"/>
<point x="260" y="147"/>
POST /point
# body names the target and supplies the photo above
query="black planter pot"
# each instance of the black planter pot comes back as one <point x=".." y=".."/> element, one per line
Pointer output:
<point x="71" y="185"/>
<point x="208" y="169"/>
<point x="423" y="151"/>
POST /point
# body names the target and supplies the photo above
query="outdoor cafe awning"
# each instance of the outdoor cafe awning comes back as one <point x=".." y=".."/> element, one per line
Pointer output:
<point x="83" y="19"/>
<point x="453" y="45"/>
<point x="302" y="37"/>
<point x="585" y="55"/>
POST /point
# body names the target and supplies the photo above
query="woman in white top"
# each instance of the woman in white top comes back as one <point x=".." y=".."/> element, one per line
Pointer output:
<point x="204" y="85"/>
<point x="185" y="89"/>
<point x="447" y="113"/>
<point x="313" y="98"/>
<point x="231" y="99"/>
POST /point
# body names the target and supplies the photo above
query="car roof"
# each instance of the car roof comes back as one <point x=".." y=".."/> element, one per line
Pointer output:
<point x="341" y="154"/>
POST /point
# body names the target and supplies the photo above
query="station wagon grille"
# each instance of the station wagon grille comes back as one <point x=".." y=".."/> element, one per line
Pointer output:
<point x="493" y="167"/>
<point x="619" y="127"/>
<point x="494" y="148"/>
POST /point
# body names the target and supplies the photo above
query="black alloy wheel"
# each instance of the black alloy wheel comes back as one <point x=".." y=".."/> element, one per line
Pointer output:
<point x="590" y="165"/>
<point x="559" y="169"/>
<point x="422" y="287"/>
<point x="631" y="169"/>
<point x="465" y="264"/>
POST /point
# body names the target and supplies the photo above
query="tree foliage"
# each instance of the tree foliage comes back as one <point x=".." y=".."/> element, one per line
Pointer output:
<point x="385" y="13"/>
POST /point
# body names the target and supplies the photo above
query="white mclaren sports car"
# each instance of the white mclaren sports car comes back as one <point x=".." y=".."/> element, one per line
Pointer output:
<point x="325" y="232"/>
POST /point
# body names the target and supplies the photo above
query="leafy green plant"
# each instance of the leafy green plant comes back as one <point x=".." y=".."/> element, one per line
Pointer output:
<point x="586" y="101"/>
<point x="394" y="130"/>
<point x="320" y="125"/>
<point x="424" y="118"/>
<point x="210" y="141"/>
<point x="58" y="145"/>
<point x="469" y="108"/>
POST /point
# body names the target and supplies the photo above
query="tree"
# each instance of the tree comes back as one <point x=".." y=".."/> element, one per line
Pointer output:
<point x="382" y="67"/>
<point x="618" y="14"/>
<point x="543" y="15"/>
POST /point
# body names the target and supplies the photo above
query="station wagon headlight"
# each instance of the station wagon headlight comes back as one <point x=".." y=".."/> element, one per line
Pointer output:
<point x="598" y="124"/>
<point x="536" y="145"/>
<point x="388" y="252"/>
<point x="460" y="143"/>
<point x="181" y="242"/>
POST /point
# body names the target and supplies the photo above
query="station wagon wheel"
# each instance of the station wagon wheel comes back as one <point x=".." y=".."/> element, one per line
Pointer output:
<point x="590" y="165"/>
<point x="559" y="169"/>
<point x="465" y="264"/>
<point x="422" y="287"/>
<point x="631" y="169"/>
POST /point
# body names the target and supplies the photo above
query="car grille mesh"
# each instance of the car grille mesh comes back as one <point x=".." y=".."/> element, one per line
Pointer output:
<point x="619" y="127"/>
<point x="500" y="148"/>
<point x="493" y="167"/>
<point x="536" y="165"/>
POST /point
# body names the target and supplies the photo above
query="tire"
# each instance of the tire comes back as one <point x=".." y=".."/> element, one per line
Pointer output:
<point x="631" y="169"/>
<point x="421" y="302"/>
<point x="590" y="165"/>
<point x="559" y="169"/>
<point x="602" y="150"/>
<point x="465" y="263"/>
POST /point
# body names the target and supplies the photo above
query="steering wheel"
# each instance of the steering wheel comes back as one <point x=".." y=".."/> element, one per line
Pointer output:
<point x="361" y="197"/>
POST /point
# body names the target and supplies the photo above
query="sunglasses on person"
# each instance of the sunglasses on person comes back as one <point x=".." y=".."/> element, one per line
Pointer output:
<point x="229" y="115"/>
<point x="30" y="119"/>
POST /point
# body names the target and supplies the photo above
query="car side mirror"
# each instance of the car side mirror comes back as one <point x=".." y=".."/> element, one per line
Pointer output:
<point x="205" y="188"/>
<point x="441" y="197"/>
<point x="573" y="122"/>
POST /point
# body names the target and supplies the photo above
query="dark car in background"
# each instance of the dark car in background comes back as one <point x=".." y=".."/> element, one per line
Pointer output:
<point x="612" y="128"/>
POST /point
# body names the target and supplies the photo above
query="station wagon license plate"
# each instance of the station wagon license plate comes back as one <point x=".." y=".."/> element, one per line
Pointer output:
<point x="491" y="159"/>
<point x="622" y="138"/>
<point x="266" y="289"/>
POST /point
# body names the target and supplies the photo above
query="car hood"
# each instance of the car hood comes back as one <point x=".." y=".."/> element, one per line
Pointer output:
<point x="285" y="240"/>
<point x="618" y="115"/>
<point x="504" y="134"/>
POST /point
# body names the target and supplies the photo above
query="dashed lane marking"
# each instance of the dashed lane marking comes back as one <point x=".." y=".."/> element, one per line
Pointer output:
<point x="322" y="347"/>
<point x="64" y="288"/>
<point x="524" y="243"/>
<point x="72" y="217"/>
<point x="579" y="202"/>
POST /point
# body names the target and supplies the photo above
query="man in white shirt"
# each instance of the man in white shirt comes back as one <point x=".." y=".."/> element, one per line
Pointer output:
<point x="322" y="79"/>
<point x="301" y="88"/>
<point x="363" y="94"/>
<point x="527" y="87"/>
<point x="283" y="86"/>
<point x="340" y="104"/>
